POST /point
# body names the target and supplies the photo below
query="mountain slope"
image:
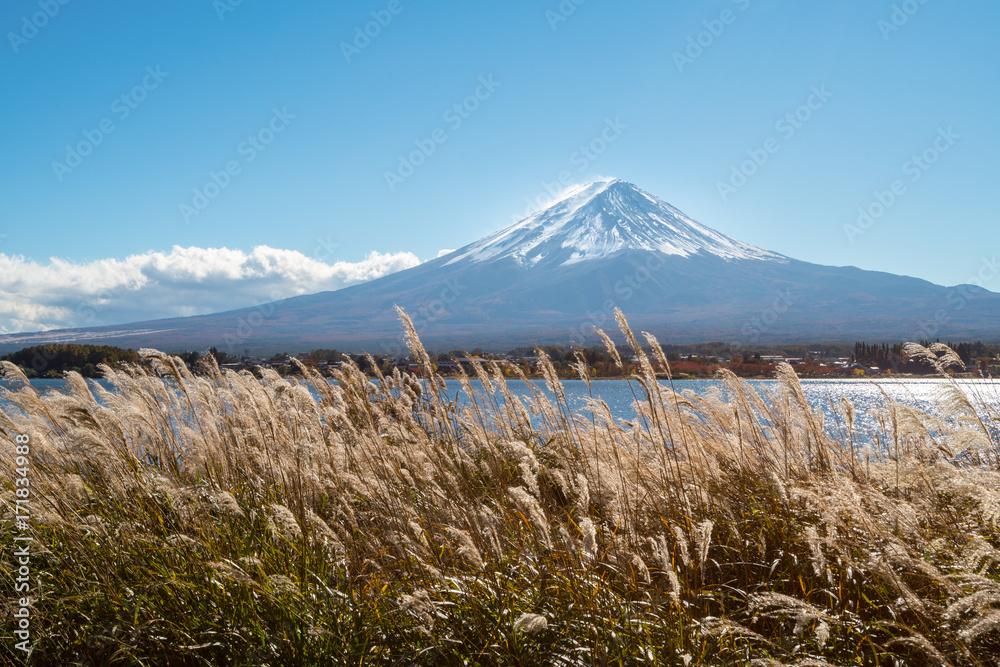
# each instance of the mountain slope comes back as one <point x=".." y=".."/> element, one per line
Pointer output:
<point x="555" y="275"/>
<point x="600" y="219"/>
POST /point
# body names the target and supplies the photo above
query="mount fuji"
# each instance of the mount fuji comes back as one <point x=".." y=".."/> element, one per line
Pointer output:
<point x="598" y="220"/>
<point x="555" y="275"/>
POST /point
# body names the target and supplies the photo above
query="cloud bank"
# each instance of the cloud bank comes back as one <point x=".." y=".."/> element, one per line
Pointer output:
<point x="185" y="281"/>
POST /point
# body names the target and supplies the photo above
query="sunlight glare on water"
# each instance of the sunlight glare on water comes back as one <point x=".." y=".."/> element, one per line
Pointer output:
<point x="867" y="396"/>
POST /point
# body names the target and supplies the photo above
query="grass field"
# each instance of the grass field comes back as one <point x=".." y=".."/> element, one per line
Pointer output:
<point x="217" y="519"/>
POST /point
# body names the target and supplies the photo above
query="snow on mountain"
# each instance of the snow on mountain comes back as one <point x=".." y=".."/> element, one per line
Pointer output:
<point x="600" y="219"/>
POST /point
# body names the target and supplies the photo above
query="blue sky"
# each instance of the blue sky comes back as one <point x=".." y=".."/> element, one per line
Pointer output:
<point x="308" y="130"/>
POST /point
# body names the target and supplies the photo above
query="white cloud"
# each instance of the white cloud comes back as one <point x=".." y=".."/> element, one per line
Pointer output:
<point x="446" y="251"/>
<point x="184" y="281"/>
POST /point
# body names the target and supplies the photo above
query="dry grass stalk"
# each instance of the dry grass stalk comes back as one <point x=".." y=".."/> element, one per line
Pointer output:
<point x="735" y="523"/>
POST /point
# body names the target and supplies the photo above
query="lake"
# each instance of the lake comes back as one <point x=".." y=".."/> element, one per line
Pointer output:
<point x="866" y="395"/>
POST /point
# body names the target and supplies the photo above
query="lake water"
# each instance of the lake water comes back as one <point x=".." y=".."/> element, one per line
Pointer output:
<point x="866" y="395"/>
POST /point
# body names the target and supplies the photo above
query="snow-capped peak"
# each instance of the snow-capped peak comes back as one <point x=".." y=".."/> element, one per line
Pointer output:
<point x="603" y="218"/>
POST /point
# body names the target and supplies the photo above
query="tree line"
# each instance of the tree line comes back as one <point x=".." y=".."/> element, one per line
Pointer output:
<point x="981" y="355"/>
<point x="53" y="359"/>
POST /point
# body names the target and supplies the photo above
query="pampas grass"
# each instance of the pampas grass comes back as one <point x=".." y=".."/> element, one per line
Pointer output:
<point x="214" y="518"/>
